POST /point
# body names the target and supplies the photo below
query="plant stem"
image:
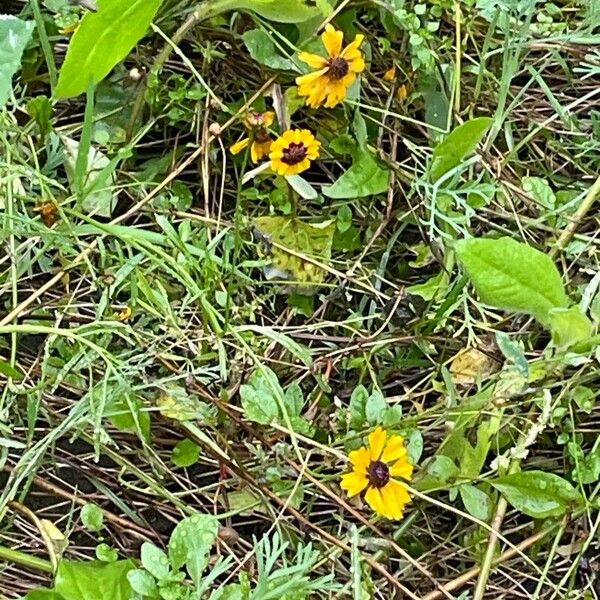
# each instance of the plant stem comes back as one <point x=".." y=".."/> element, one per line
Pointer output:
<point x="25" y="560"/>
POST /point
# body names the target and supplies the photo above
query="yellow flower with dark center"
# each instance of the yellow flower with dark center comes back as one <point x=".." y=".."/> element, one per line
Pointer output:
<point x="374" y="469"/>
<point x="259" y="139"/>
<point x="329" y="84"/>
<point x="292" y="152"/>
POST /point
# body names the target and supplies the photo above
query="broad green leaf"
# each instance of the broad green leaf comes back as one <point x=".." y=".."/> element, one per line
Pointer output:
<point x="375" y="407"/>
<point x="358" y="406"/>
<point x="476" y="501"/>
<point x="185" y="453"/>
<point x="93" y="580"/>
<point x="92" y="517"/>
<point x="294" y="399"/>
<point x="14" y="35"/>
<point x="538" y="494"/>
<point x="569" y="326"/>
<point x="439" y="470"/>
<point x="106" y="553"/>
<point x="365" y="177"/>
<point x="142" y="583"/>
<point x="513" y="276"/>
<point x="280" y="11"/>
<point x="43" y="595"/>
<point x="155" y="561"/>
<point x="310" y="240"/>
<point x="259" y="398"/>
<point x="7" y="369"/>
<point x="262" y="49"/>
<point x="102" y="40"/>
<point x="126" y="413"/>
<point x="191" y="542"/>
<point x="460" y="143"/>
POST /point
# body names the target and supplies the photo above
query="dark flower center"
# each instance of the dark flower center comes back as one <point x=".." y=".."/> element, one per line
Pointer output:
<point x="338" y="67"/>
<point x="294" y="153"/>
<point x="378" y="474"/>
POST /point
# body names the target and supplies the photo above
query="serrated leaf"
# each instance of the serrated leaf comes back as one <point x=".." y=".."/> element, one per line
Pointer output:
<point x="365" y="177"/>
<point x="459" y="143"/>
<point x="513" y="276"/>
<point x="102" y="40"/>
<point x="280" y="11"/>
<point x="538" y="494"/>
<point x="262" y="49"/>
<point x="14" y="35"/>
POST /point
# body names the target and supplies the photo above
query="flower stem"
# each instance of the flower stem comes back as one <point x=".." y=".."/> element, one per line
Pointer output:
<point x="25" y="560"/>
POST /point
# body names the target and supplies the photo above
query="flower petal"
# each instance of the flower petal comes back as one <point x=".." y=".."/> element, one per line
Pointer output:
<point x="312" y="60"/>
<point x="354" y="483"/>
<point x="310" y="78"/>
<point x="268" y="117"/>
<point x="394" y="449"/>
<point x="360" y="459"/>
<point x="402" y="468"/>
<point x="401" y="494"/>
<point x="392" y="508"/>
<point x="375" y="500"/>
<point x="239" y="146"/>
<point x="353" y="46"/>
<point x="377" y="442"/>
<point x="357" y="65"/>
<point x="332" y="40"/>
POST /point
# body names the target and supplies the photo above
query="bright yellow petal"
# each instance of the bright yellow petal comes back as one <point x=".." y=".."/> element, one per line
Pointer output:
<point x="288" y="136"/>
<point x="377" y="442"/>
<point x="402" y="468"/>
<point x="278" y="166"/>
<point x="354" y="483"/>
<point x="259" y="150"/>
<point x="312" y="60"/>
<point x="374" y="500"/>
<point x="360" y="459"/>
<point x="353" y="46"/>
<point x="310" y="78"/>
<point x="392" y="509"/>
<point x="394" y="449"/>
<point x="400" y="492"/>
<point x="239" y="146"/>
<point x="357" y="65"/>
<point x="332" y="40"/>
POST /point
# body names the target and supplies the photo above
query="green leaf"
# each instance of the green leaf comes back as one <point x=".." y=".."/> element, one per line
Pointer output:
<point x="513" y="351"/>
<point x="460" y="143"/>
<point x="106" y="553"/>
<point x="437" y="472"/>
<point x="102" y="40"/>
<point x="142" y="583"/>
<point x="280" y="11"/>
<point x="126" y="413"/>
<point x="313" y="240"/>
<point x="14" y="35"/>
<point x="185" y="453"/>
<point x="262" y="49"/>
<point x="41" y="111"/>
<point x="539" y="189"/>
<point x="7" y="369"/>
<point x="365" y="177"/>
<point x="191" y="542"/>
<point x="258" y="397"/>
<point x="155" y="561"/>
<point x="294" y="399"/>
<point x="375" y="407"/>
<point x="43" y="595"/>
<point x="358" y="405"/>
<point x="93" y="580"/>
<point x="476" y="501"/>
<point x="92" y="517"/>
<point x="538" y="494"/>
<point x="101" y="200"/>
<point x="304" y="189"/>
<point x="569" y="326"/>
<point x="513" y="276"/>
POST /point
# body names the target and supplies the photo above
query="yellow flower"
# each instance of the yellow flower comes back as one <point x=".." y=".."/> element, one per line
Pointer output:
<point x="260" y="140"/>
<point x="329" y="84"/>
<point x="390" y="74"/>
<point x="374" y="468"/>
<point x="292" y="152"/>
